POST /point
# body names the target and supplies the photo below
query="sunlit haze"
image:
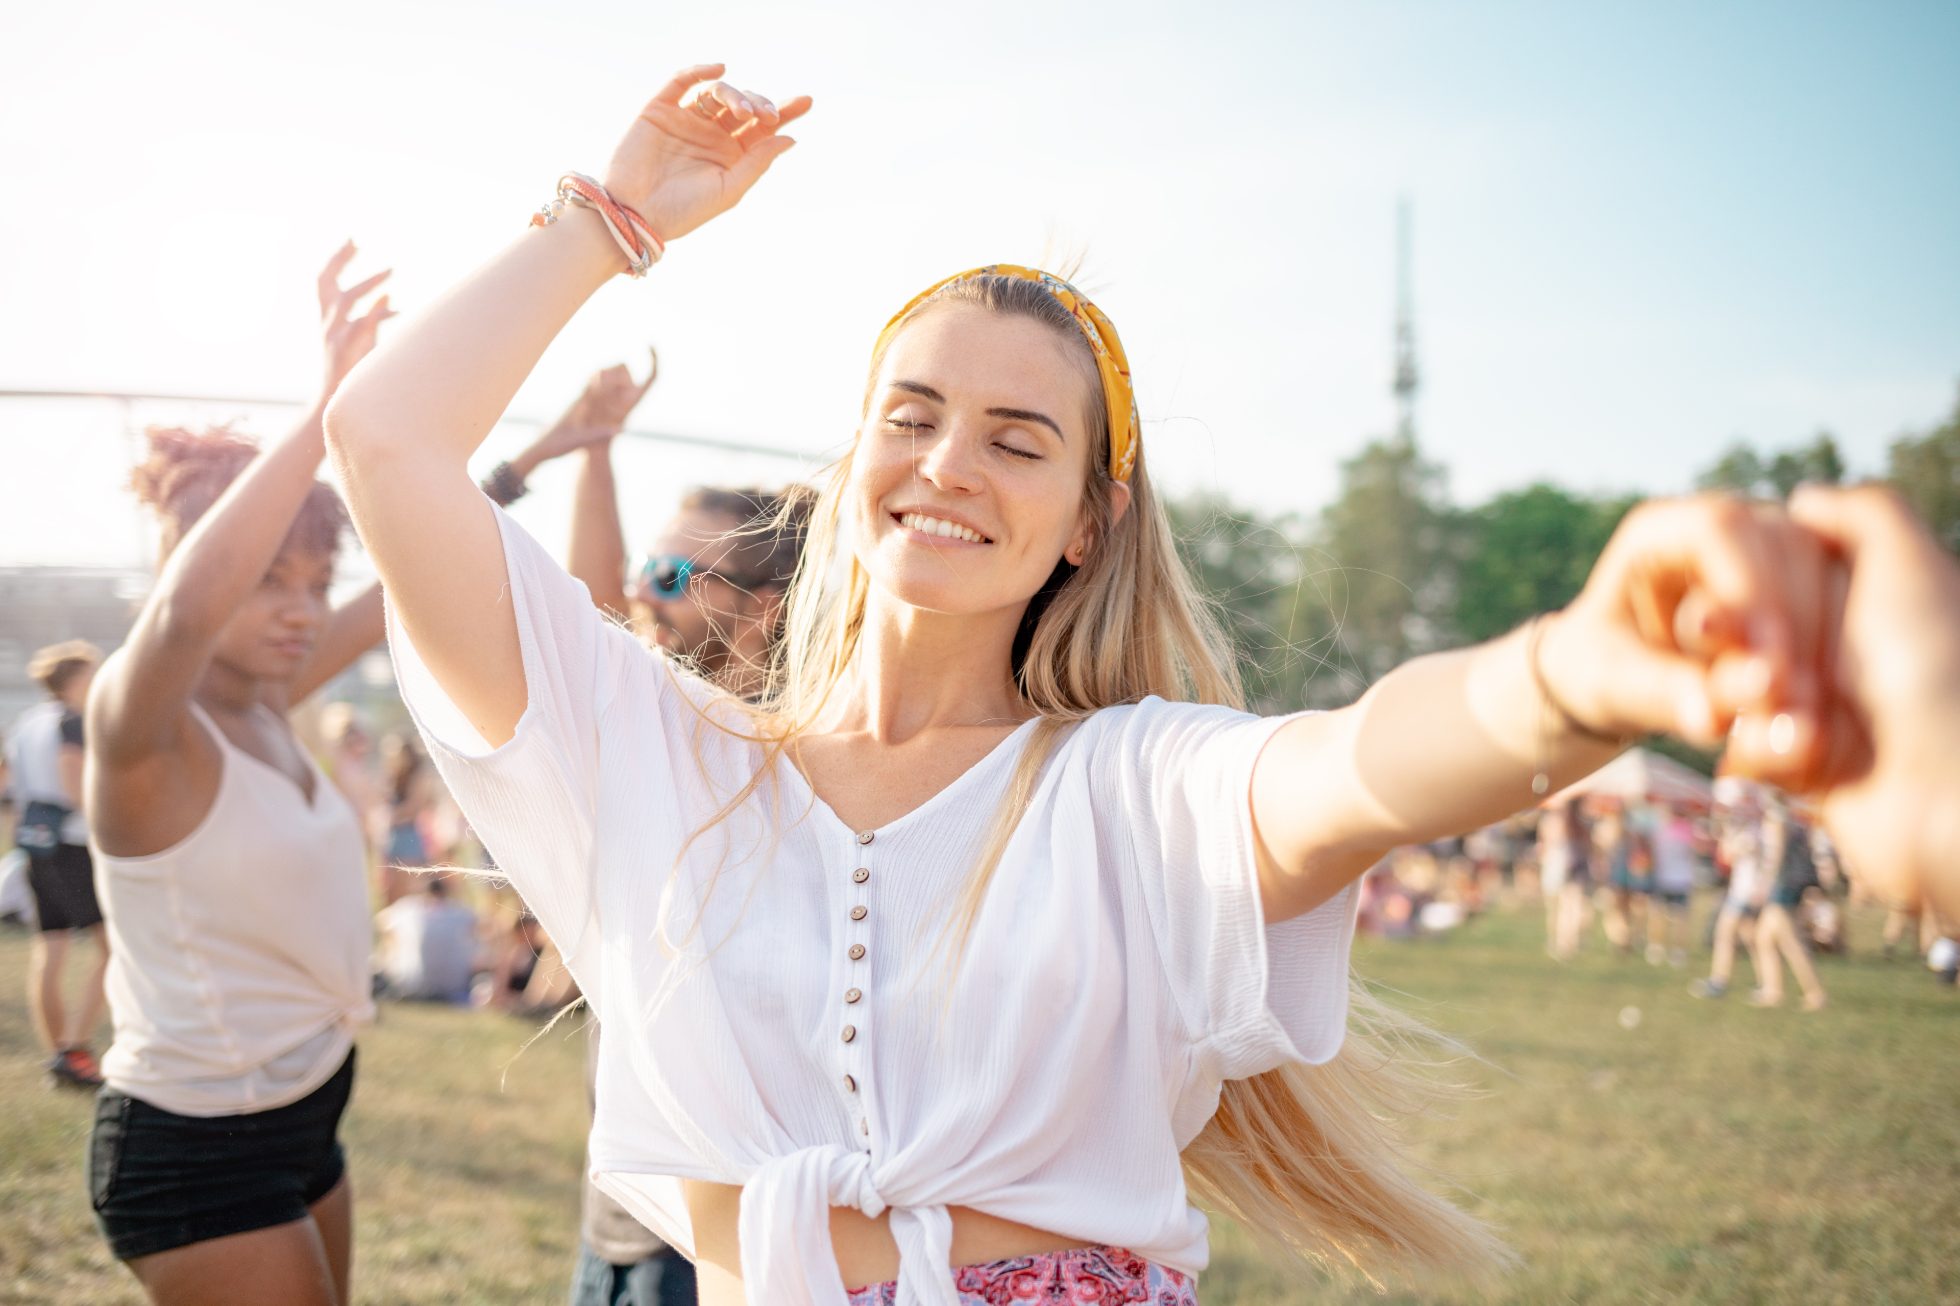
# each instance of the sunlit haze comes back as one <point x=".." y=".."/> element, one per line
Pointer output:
<point x="1639" y="234"/>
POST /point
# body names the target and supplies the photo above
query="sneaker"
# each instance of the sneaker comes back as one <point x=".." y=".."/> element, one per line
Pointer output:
<point x="1708" y="988"/>
<point x="74" y="1068"/>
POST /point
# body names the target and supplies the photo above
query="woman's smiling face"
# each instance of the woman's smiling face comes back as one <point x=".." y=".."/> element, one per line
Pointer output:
<point x="967" y="484"/>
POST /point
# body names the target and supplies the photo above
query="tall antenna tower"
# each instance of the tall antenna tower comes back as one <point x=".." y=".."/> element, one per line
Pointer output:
<point x="1407" y="377"/>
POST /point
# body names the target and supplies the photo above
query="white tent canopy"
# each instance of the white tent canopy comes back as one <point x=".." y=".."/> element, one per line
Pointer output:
<point x="1641" y="774"/>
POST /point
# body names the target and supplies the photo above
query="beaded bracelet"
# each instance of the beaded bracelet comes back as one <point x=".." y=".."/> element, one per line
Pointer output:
<point x="629" y="230"/>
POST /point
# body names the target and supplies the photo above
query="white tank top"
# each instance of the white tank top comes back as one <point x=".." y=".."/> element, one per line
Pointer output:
<point x="238" y="958"/>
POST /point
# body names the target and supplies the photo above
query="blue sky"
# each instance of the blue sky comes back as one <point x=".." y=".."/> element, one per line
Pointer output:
<point x="1641" y="230"/>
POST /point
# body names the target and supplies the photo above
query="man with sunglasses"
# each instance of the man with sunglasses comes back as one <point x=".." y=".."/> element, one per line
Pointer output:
<point x="709" y="589"/>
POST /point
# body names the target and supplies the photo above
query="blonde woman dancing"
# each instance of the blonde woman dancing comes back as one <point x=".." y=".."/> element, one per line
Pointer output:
<point x="996" y="931"/>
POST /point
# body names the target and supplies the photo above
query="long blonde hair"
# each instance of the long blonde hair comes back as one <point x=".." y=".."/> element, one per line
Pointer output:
<point x="1307" y="1158"/>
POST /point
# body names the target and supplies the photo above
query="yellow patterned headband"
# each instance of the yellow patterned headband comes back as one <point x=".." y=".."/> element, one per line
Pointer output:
<point x="1112" y="364"/>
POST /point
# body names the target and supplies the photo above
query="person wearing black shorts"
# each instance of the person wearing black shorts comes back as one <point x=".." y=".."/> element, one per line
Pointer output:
<point x="232" y="874"/>
<point x="44" y="754"/>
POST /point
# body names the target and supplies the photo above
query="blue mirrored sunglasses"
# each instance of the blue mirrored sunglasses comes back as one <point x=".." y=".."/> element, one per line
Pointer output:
<point x="665" y="575"/>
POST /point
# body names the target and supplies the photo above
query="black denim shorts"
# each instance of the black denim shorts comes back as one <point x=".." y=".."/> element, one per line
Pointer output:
<point x="159" y="1180"/>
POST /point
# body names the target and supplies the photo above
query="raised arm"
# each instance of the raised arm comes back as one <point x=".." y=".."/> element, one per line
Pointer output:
<point x="404" y="426"/>
<point x="137" y="705"/>
<point x="598" y="546"/>
<point x="1700" y="614"/>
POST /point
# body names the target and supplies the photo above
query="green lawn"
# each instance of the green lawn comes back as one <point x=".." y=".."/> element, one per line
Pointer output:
<point x="1710" y="1153"/>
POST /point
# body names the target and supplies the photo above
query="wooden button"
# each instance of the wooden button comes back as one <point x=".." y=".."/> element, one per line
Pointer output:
<point x="857" y="952"/>
<point x="859" y="912"/>
<point x="853" y="996"/>
<point x="850" y="1084"/>
<point x="861" y="874"/>
<point x="867" y="836"/>
<point x="850" y="1032"/>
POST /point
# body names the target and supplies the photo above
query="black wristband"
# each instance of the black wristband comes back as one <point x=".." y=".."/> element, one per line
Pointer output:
<point x="504" y="485"/>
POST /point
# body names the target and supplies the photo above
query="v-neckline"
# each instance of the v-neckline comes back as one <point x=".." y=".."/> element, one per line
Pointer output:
<point x="227" y="744"/>
<point x="828" y="813"/>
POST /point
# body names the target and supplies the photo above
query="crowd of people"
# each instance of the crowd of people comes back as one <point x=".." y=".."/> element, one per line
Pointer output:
<point x="1749" y="873"/>
<point x="736" y="784"/>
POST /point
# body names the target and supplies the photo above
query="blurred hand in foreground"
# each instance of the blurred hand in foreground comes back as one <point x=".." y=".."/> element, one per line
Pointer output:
<point x="1890" y="789"/>
<point x="1706" y="618"/>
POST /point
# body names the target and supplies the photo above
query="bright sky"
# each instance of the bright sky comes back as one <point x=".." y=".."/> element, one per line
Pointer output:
<point x="1641" y="230"/>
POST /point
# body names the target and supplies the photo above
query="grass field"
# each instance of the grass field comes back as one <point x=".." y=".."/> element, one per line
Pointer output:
<point x="1712" y="1152"/>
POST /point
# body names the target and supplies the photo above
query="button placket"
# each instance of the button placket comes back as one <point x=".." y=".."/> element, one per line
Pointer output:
<point x="854" y="1027"/>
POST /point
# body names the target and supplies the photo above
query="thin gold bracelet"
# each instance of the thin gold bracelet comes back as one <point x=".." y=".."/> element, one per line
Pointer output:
<point x="1541" y="780"/>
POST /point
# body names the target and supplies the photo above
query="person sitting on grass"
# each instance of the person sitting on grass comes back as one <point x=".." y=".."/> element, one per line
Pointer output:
<point x="428" y="944"/>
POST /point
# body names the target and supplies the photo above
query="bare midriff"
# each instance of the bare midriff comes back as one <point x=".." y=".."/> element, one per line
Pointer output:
<point x="866" y="1252"/>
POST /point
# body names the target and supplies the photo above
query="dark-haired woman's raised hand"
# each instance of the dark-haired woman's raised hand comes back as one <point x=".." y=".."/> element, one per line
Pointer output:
<point x="346" y="335"/>
<point x="697" y="148"/>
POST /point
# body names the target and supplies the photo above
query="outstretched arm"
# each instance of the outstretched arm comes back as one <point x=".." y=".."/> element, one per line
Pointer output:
<point x="137" y="705"/>
<point x="1700" y="613"/>
<point x="404" y="426"/>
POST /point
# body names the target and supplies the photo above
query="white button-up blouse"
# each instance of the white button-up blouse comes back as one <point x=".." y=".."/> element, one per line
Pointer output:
<point x="774" y="987"/>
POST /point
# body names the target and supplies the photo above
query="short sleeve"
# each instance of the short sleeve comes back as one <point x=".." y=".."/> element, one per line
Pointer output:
<point x="533" y="800"/>
<point x="1252" y="996"/>
<point x="71" y="728"/>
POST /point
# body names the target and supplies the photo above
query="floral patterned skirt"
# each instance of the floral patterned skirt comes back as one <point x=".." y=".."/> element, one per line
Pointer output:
<point x="1104" y="1275"/>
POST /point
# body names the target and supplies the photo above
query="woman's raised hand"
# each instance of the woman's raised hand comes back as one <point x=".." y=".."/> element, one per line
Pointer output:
<point x="681" y="164"/>
<point x="610" y="397"/>
<point x="347" y="338"/>
<point x="597" y="415"/>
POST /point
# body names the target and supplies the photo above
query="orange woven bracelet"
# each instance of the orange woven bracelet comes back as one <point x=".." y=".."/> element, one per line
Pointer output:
<point x="637" y="240"/>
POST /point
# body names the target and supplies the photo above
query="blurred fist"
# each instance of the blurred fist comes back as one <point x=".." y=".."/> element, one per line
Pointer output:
<point x="1703" y="617"/>
<point x="1890" y="789"/>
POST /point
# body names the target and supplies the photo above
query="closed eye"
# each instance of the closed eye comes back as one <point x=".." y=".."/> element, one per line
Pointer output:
<point x="906" y="426"/>
<point x="1018" y="453"/>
